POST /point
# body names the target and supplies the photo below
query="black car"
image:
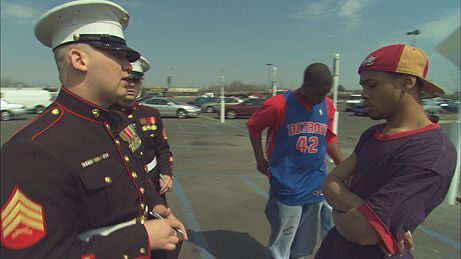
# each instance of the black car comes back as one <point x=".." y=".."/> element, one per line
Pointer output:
<point x="450" y="106"/>
<point x="359" y="109"/>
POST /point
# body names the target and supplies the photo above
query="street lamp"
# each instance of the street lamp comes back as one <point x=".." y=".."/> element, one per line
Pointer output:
<point x="223" y="107"/>
<point x="269" y="74"/>
<point x="272" y="75"/>
<point x="413" y="36"/>
<point x="274" y="81"/>
<point x="169" y="77"/>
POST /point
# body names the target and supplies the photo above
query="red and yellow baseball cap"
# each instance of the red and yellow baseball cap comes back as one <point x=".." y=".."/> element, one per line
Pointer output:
<point x="403" y="59"/>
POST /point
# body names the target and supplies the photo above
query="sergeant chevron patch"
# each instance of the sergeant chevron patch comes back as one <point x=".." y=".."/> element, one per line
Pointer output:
<point x="23" y="223"/>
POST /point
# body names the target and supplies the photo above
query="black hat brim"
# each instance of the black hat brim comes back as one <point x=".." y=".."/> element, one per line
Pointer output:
<point x="131" y="54"/>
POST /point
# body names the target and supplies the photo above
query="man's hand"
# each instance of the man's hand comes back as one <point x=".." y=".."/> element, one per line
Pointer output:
<point x="166" y="183"/>
<point x="262" y="166"/>
<point x="407" y="241"/>
<point x="161" y="210"/>
<point x="161" y="235"/>
<point x="170" y="219"/>
<point x="176" y="224"/>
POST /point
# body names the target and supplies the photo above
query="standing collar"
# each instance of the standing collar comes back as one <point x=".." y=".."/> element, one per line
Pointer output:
<point x="126" y="110"/>
<point x="81" y="107"/>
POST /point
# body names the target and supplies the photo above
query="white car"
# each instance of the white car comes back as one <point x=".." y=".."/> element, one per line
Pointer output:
<point x="34" y="99"/>
<point x="10" y="110"/>
<point x="352" y="101"/>
<point x="432" y="105"/>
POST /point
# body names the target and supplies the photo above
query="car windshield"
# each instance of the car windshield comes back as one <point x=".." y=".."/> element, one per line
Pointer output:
<point x="174" y="101"/>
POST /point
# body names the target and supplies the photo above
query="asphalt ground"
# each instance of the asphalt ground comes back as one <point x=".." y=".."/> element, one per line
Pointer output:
<point x="220" y="197"/>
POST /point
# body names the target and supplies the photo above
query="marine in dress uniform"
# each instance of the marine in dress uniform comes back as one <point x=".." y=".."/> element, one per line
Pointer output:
<point x="157" y="157"/>
<point x="70" y="187"/>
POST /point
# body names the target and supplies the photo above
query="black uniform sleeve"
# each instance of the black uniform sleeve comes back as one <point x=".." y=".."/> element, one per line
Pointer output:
<point x="45" y="210"/>
<point x="162" y="149"/>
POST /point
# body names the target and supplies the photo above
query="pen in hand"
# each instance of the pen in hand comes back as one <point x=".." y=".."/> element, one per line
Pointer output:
<point x="157" y="216"/>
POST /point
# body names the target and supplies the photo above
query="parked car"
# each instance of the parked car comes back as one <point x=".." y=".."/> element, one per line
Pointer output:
<point x="352" y="100"/>
<point x="431" y="105"/>
<point x="35" y="100"/>
<point x="243" y="109"/>
<point x="11" y="110"/>
<point x="170" y="107"/>
<point x="450" y="106"/>
<point x="212" y="106"/>
<point x="199" y="101"/>
<point x="359" y="109"/>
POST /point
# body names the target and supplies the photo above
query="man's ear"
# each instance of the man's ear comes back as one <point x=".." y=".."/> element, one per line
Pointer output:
<point x="78" y="60"/>
<point x="408" y="82"/>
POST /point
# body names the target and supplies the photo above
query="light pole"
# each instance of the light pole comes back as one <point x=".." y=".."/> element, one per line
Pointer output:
<point x="169" y="78"/>
<point x="269" y="75"/>
<point x="274" y="81"/>
<point x="413" y="36"/>
<point x="221" y="80"/>
<point x="335" y="91"/>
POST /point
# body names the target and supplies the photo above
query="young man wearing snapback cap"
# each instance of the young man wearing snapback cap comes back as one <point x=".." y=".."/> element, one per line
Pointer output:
<point x="401" y="169"/>
<point x="70" y="187"/>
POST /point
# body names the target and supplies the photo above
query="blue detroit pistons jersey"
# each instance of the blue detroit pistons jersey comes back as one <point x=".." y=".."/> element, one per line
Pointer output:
<point x="297" y="164"/>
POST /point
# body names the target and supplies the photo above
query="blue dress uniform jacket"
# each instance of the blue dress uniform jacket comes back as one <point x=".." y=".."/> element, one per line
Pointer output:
<point x="155" y="145"/>
<point x="66" y="173"/>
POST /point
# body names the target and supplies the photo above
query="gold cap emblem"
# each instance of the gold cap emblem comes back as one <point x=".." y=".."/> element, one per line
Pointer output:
<point x="124" y="20"/>
<point x="76" y="37"/>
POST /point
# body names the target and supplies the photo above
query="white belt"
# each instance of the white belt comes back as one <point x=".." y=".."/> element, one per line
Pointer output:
<point x="104" y="231"/>
<point x="152" y="164"/>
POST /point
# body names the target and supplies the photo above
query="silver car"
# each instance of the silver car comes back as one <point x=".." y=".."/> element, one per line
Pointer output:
<point x="170" y="107"/>
<point x="11" y="110"/>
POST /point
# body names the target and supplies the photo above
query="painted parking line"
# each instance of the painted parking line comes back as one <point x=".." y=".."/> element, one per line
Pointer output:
<point x="424" y="229"/>
<point x="429" y="231"/>
<point x="254" y="186"/>
<point x="181" y="128"/>
<point x="226" y="124"/>
<point x="199" y="239"/>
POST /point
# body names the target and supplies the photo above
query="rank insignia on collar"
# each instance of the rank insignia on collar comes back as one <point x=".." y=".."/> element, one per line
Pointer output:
<point x="94" y="160"/>
<point x="130" y="136"/>
<point x="23" y="223"/>
<point x="321" y="112"/>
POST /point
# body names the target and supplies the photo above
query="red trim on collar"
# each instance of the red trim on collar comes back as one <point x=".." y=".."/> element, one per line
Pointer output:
<point x="83" y="100"/>
<point x="383" y="137"/>
<point x="76" y="114"/>
<point x="30" y="123"/>
<point x="49" y="126"/>
<point x="386" y="236"/>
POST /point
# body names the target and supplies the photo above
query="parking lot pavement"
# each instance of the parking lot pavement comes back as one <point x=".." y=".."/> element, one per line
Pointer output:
<point x="220" y="196"/>
<point x="224" y="196"/>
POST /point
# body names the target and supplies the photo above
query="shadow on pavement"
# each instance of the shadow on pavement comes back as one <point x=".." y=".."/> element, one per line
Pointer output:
<point x="226" y="244"/>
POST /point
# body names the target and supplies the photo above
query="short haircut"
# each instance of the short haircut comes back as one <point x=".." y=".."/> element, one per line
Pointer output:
<point x="316" y="75"/>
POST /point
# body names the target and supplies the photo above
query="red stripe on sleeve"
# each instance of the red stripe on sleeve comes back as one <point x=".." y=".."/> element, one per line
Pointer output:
<point x="386" y="236"/>
<point x="331" y="136"/>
